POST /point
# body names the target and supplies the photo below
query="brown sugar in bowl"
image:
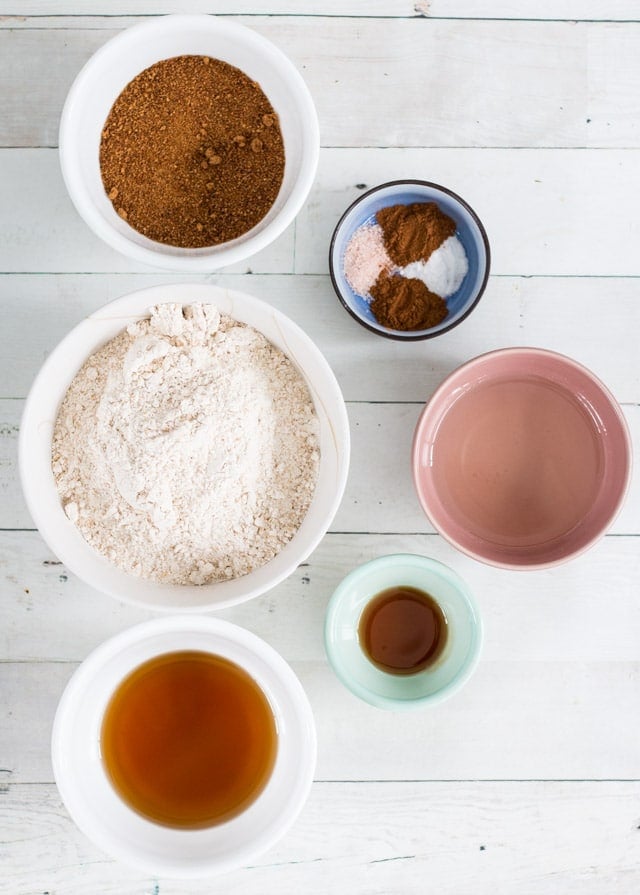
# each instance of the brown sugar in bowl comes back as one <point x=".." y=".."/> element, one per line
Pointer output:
<point x="191" y="154"/>
<point x="116" y="65"/>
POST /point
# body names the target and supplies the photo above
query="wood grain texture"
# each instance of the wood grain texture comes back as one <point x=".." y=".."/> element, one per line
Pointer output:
<point x="473" y="837"/>
<point x="542" y="83"/>
<point x="30" y="181"/>
<point x="544" y="220"/>
<point x="594" y="320"/>
<point x="517" y="720"/>
<point x="574" y="838"/>
<point x="560" y="10"/>
<point x="551" y="616"/>
<point x="542" y="208"/>
<point x="381" y="450"/>
<point x="422" y="800"/>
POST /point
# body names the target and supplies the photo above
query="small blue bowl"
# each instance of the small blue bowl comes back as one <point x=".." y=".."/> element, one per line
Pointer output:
<point x="469" y="231"/>
<point x="407" y="691"/>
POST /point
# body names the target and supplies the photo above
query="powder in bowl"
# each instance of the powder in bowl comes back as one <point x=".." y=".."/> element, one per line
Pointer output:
<point x="445" y="270"/>
<point x="406" y="303"/>
<point x="405" y="261"/>
<point x="365" y="258"/>
<point x="186" y="449"/>
<point x="191" y="153"/>
<point x="412" y="232"/>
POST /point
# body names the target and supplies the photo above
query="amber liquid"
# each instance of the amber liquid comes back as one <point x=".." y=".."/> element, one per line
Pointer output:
<point x="189" y="740"/>
<point x="402" y="630"/>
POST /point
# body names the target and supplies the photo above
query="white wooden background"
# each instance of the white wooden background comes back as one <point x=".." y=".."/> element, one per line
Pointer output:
<point x="529" y="780"/>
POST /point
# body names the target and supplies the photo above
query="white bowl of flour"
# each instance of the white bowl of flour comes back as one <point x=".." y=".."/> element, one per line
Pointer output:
<point x="139" y="451"/>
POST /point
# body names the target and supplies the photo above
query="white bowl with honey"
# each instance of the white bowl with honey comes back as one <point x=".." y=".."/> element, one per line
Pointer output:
<point x="184" y="746"/>
<point x="36" y="436"/>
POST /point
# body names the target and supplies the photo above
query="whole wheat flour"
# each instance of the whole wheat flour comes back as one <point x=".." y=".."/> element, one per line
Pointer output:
<point x="186" y="450"/>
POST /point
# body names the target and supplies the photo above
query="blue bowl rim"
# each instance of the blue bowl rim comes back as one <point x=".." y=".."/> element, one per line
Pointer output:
<point x="398" y="335"/>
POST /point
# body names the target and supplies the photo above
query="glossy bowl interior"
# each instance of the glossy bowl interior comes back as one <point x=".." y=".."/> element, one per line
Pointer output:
<point x="113" y="66"/>
<point x="403" y="692"/>
<point x="114" y="827"/>
<point x="470" y="232"/>
<point x="522" y="458"/>
<point x="50" y="386"/>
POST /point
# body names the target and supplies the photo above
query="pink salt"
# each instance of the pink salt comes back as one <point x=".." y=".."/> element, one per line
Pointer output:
<point x="364" y="258"/>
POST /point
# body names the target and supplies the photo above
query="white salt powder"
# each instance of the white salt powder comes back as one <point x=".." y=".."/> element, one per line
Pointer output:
<point x="445" y="270"/>
<point x="365" y="258"/>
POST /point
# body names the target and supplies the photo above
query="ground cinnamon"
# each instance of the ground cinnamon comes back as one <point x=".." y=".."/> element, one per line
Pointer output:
<point x="406" y="304"/>
<point x="191" y="153"/>
<point x="412" y="232"/>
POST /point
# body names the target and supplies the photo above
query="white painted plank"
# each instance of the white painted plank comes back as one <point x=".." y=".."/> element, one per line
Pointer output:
<point x="573" y="10"/>
<point x="249" y="8"/>
<point x="38" y="68"/>
<point x="552" y="212"/>
<point x="380" y="496"/>
<point x="538" y="838"/>
<point x="514" y="720"/>
<point x="593" y="320"/>
<point x="436" y="82"/>
<point x="614" y="99"/>
<point x="547" y="84"/>
<point x="12" y="506"/>
<point x="543" y="210"/>
<point x="40" y="229"/>
<point x="586" y="611"/>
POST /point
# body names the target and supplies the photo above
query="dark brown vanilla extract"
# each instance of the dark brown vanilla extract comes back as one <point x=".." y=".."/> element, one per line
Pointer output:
<point x="402" y="630"/>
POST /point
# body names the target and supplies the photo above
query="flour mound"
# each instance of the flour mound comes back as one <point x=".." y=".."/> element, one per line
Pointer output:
<point x="186" y="450"/>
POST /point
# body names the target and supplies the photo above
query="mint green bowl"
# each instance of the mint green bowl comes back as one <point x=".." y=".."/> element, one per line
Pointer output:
<point x="402" y="692"/>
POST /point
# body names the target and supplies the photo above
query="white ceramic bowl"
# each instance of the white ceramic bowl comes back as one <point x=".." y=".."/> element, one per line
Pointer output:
<point x="117" y="829"/>
<point x="50" y="386"/>
<point x="115" y="64"/>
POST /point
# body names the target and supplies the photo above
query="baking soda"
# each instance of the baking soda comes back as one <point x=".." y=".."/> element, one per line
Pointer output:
<point x="445" y="270"/>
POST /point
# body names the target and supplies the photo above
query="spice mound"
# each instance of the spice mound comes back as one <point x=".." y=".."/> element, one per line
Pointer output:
<point x="406" y="261"/>
<point x="186" y="450"/>
<point x="406" y="303"/>
<point x="191" y="153"/>
<point x="413" y="232"/>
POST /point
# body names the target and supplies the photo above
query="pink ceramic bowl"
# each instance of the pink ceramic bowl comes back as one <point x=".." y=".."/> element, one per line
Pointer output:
<point x="522" y="458"/>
